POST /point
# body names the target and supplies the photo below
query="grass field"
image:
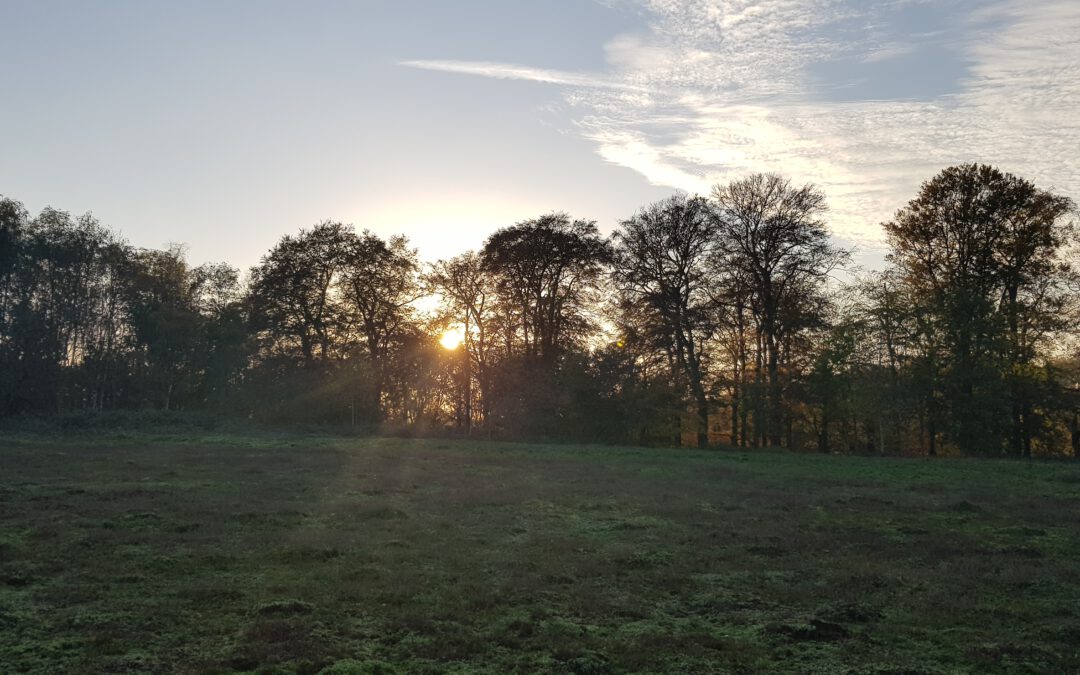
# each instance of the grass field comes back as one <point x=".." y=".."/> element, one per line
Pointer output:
<point x="299" y="554"/>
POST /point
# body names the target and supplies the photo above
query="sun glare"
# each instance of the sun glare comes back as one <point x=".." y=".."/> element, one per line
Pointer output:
<point x="452" y="337"/>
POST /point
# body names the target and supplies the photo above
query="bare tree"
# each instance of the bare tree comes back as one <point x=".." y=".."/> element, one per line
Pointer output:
<point x="660" y="269"/>
<point x="771" y="234"/>
<point x="468" y="294"/>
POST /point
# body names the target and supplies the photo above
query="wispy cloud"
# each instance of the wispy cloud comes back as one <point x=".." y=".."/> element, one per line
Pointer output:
<point x="742" y="92"/>
<point x="890" y="51"/>
<point x="509" y="71"/>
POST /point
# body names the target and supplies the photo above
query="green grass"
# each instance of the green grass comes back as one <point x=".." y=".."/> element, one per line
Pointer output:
<point x="264" y="553"/>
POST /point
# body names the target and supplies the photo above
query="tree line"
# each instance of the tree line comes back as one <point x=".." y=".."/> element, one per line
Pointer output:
<point x="726" y="319"/>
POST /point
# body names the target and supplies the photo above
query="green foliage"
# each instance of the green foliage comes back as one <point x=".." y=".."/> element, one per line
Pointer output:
<point x="979" y="254"/>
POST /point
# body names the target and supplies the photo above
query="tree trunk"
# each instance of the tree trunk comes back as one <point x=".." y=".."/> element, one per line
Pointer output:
<point x="775" y="416"/>
<point x="823" y="433"/>
<point x="734" y="440"/>
<point x="702" y="418"/>
<point x="468" y="379"/>
<point x="1076" y="436"/>
<point x="699" y="394"/>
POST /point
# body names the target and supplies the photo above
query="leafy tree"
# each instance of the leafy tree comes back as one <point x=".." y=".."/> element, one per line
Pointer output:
<point x="65" y="314"/>
<point x="225" y="348"/>
<point x="546" y="271"/>
<point x="13" y="224"/>
<point x="890" y="386"/>
<point x="292" y="293"/>
<point x="419" y="386"/>
<point x="831" y="383"/>
<point x="546" y="274"/>
<point x="166" y="324"/>
<point x="329" y="297"/>
<point x="378" y="283"/>
<point x="188" y="328"/>
<point x="980" y="251"/>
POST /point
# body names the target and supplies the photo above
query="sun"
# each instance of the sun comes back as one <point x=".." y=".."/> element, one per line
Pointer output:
<point x="452" y="337"/>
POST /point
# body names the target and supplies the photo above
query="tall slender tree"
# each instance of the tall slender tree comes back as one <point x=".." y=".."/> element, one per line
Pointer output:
<point x="771" y="234"/>
<point x="166" y="324"/>
<point x="378" y="284"/>
<point x="661" y="269"/>
<point x="468" y="295"/>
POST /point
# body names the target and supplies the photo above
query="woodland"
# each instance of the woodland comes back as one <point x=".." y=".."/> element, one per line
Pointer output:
<point x="730" y="319"/>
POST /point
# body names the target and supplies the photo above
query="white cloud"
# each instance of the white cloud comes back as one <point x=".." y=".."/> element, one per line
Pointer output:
<point x="715" y="89"/>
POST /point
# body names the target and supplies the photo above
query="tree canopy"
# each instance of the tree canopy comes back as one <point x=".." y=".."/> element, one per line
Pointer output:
<point x="726" y="319"/>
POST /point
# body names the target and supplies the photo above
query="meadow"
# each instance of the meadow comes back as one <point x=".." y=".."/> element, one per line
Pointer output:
<point x="272" y="553"/>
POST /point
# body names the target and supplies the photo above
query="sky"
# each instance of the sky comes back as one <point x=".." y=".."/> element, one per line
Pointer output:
<point x="225" y="125"/>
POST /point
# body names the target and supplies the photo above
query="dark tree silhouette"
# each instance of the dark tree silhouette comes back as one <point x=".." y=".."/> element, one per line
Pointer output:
<point x="67" y="309"/>
<point x="378" y="284"/>
<point x="292" y="298"/>
<point x="166" y="324"/>
<point x="546" y="272"/>
<point x="771" y="236"/>
<point x="981" y="252"/>
<point x="468" y="296"/>
<point x="725" y="310"/>
<point x="661" y="272"/>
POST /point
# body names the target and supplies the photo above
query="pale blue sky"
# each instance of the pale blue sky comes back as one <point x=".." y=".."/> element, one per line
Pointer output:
<point x="227" y="124"/>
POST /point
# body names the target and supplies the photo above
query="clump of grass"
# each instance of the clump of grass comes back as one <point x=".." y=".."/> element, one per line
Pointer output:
<point x="588" y="663"/>
<point x="284" y="607"/>
<point x="354" y="667"/>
